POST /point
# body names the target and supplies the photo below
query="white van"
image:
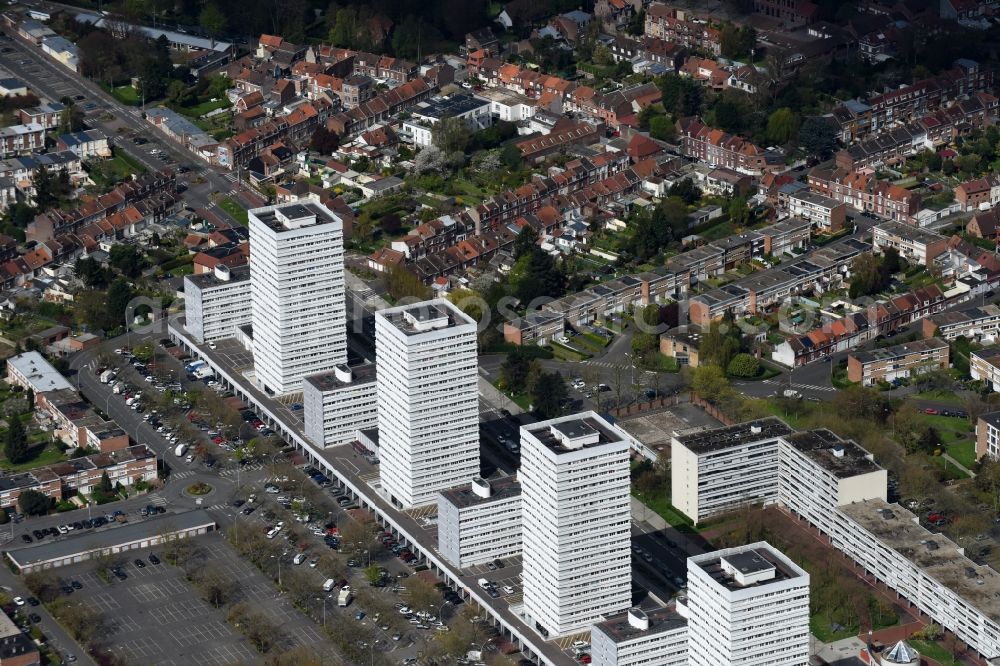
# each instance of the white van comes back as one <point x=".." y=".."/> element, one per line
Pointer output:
<point x="299" y="559"/>
<point x="329" y="585"/>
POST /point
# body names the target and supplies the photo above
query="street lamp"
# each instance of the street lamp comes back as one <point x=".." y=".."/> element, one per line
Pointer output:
<point x="371" y="650"/>
<point x="278" y="557"/>
<point x="325" y="599"/>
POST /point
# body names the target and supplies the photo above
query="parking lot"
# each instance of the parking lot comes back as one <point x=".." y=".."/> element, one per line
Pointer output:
<point x="154" y="616"/>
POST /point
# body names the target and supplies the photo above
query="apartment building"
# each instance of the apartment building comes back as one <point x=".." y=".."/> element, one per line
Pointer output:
<point x="915" y="245"/>
<point x="30" y="370"/>
<point x="926" y="570"/>
<point x="18" y="139"/>
<point x="864" y="192"/>
<point x="683" y="27"/>
<point x="720" y="149"/>
<point x="717" y="470"/>
<point x="339" y="403"/>
<point x="984" y="365"/>
<point x="979" y="194"/>
<point x="575" y="517"/>
<point x="681" y="344"/>
<point x="215" y="303"/>
<point x="539" y="328"/>
<point x="40" y="480"/>
<point x="897" y="362"/>
<point x="765" y="461"/>
<point x="48" y="115"/>
<point x="747" y="605"/>
<point x="978" y="322"/>
<point x="476" y="113"/>
<point x="428" y="406"/>
<point x="480" y="521"/>
<point x="297" y="294"/>
<point x="855" y="328"/>
<point x="822" y="212"/>
<point x="988" y="436"/>
<point x="637" y="637"/>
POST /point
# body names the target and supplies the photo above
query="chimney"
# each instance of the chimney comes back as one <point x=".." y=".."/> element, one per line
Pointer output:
<point x="838" y="451"/>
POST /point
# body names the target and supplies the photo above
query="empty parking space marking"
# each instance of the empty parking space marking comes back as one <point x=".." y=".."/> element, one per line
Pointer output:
<point x="566" y="642"/>
<point x="220" y="655"/>
<point x="124" y="624"/>
<point x="307" y="635"/>
<point x="177" y="612"/>
<point x="200" y="633"/>
<point x="140" y="649"/>
<point x="105" y="602"/>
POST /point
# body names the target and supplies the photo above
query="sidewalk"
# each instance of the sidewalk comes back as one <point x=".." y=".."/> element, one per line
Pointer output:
<point x="496" y="397"/>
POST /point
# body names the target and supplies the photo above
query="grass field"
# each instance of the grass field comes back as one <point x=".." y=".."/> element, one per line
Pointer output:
<point x="935" y="652"/>
<point x="947" y="397"/>
<point x="660" y="503"/>
<point x="117" y="169"/>
<point x="951" y="472"/>
<point x="567" y="354"/>
<point x="41" y="454"/>
<point x="198" y="110"/>
<point x="127" y="95"/>
<point x="522" y="400"/>
<point x="964" y="453"/>
<point x="235" y="210"/>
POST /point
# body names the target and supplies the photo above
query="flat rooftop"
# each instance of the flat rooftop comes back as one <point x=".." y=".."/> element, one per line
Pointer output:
<point x="719" y="439"/>
<point x="79" y="543"/>
<point x="39" y="373"/>
<point x="900" y="351"/>
<point x="910" y="233"/>
<point x="206" y="280"/>
<point x="448" y="107"/>
<point x="331" y="381"/>
<point x="661" y="620"/>
<point x="749" y="561"/>
<point x="572" y="433"/>
<point x="293" y="216"/>
<point x="426" y="317"/>
<point x="464" y="497"/>
<point x="934" y="554"/>
<point x="842" y="457"/>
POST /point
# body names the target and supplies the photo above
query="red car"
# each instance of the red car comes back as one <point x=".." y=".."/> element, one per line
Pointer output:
<point x="218" y="440"/>
<point x="585" y="659"/>
<point x="930" y="410"/>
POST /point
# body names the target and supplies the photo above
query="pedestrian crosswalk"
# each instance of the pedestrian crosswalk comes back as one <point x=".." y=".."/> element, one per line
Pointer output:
<point x="810" y="387"/>
<point x="606" y="364"/>
<point x="156" y="500"/>
<point x="183" y="474"/>
<point x="230" y="176"/>
<point x="217" y="507"/>
<point x="245" y="469"/>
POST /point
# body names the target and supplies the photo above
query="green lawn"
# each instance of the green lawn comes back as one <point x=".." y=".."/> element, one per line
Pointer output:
<point x="235" y="210"/>
<point x="114" y="170"/>
<point x="964" y="453"/>
<point x="951" y="472"/>
<point x="568" y="354"/>
<point x="127" y="95"/>
<point x="820" y="626"/>
<point x="522" y="400"/>
<point x="198" y="110"/>
<point x="662" y="506"/>
<point x="43" y="453"/>
<point x="718" y="231"/>
<point x="935" y="652"/>
<point x="947" y="397"/>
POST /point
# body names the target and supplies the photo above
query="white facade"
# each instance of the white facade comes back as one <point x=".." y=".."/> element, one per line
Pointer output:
<point x="297" y="288"/>
<point x="336" y="405"/>
<point x="815" y="208"/>
<point x="984" y="365"/>
<point x="926" y="569"/>
<point x="748" y="606"/>
<point x="575" y="505"/>
<point x="428" y="400"/>
<point x="473" y="111"/>
<point x="480" y="521"/>
<point x="215" y="304"/>
<point x="30" y="370"/>
<point x="765" y="461"/>
<point x="655" y="637"/>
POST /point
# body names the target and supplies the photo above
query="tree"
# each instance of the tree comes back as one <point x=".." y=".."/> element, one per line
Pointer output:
<point x="105" y="484"/>
<point x="402" y="283"/>
<point x="430" y="159"/>
<point x="16" y="444"/>
<point x="739" y="211"/>
<point x="34" y="503"/>
<point x="29" y="399"/>
<point x="212" y="20"/>
<point x="550" y="395"/>
<point x="451" y="135"/>
<point x="91" y="272"/>
<point x="709" y="382"/>
<point x="324" y="141"/>
<point x="536" y="275"/>
<point x="661" y="128"/>
<point x="743" y="365"/>
<point x="526" y="241"/>
<point x="514" y="370"/>
<point x="817" y="136"/>
<point x="686" y="190"/>
<point x="782" y="125"/>
<point x="70" y="120"/>
<point x="373" y="574"/>
<point x="390" y="224"/>
<point x="128" y="259"/>
<point x="119" y="296"/>
<point x="421" y="594"/>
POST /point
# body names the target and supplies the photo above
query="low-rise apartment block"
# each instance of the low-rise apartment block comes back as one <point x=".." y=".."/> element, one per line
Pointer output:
<point x="539" y="328"/>
<point x="984" y="365"/>
<point x="917" y="246"/>
<point x="18" y="139"/>
<point x="897" y="362"/>
<point x="474" y="112"/>
<point x="637" y="637"/>
<point x="683" y="27"/>
<point x="30" y="370"/>
<point x="339" y="403"/>
<point x="681" y="344"/>
<point x="988" y="436"/>
<point x="980" y="323"/>
<point x="216" y="303"/>
<point x="720" y="149"/>
<point x="480" y="521"/>
<point x="866" y="193"/>
<point x="822" y="212"/>
<point x="925" y="569"/>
